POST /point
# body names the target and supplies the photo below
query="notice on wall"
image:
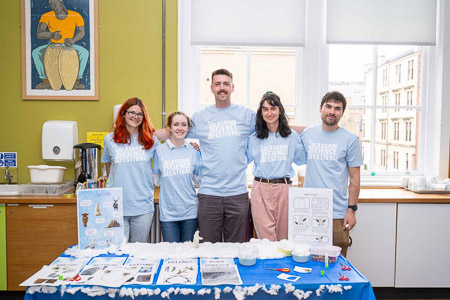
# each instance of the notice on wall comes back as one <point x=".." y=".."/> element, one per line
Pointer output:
<point x="96" y="138"/>
<point x="311" y="216"/>
<point x="100" y="218"/>
<point x="8" y="159"/>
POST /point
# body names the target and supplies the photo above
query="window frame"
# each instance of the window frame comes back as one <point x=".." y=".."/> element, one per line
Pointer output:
<point x="312" y="84"/>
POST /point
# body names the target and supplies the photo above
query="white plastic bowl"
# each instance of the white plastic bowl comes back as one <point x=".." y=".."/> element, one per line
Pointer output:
<point x="247" y="261"/>
<point x="46" y="174"/>
<point x="300" y="258"/>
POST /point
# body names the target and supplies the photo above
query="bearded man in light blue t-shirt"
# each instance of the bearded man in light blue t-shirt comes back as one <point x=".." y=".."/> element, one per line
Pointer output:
<point x="223" y="129"/>
<point x="334" y="155"/>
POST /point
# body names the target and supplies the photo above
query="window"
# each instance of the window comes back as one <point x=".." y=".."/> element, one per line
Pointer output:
<point x="255" y="71"/>
<point x="409" y="98"/>
<point x="395" y="156"/>
<point x="410" y="69"/>
<point x="397" y="100"/>
<point x="398" y="73"/>
<point x="385" y="77"/>
<point x="383" y="158"/>
<point x="388" y="109"/>
<point x="408" y="131"/>
<point x="383" y="130"/>
<point x="384" y="102"/>
<point x="396" y="130"/>
<point x="407" y="161"/>
<point x="367" y="72"/>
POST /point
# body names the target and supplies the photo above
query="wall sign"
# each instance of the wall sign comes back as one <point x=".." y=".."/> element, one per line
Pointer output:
<point x="8" y="159"/>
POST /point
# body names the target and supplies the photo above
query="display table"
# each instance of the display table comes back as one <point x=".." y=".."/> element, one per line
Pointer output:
<point x="257" y="282"/>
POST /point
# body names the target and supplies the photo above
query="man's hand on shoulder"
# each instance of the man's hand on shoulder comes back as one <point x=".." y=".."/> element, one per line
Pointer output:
<point x="350" y="219"/>
<point x="162" y="134"/>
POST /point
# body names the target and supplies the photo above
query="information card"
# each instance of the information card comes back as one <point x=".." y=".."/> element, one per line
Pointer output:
<point x="311" y="216"/>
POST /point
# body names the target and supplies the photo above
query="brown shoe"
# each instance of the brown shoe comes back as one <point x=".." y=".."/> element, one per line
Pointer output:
<point x="78" y="85"/>
<point x="43" y="85"/>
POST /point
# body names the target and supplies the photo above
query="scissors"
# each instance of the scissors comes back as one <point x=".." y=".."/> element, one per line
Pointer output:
<point x="284" y="270"/>
<point x="345" y="268"/>
<point x="76" y="278"/>
<point x="343" y="277"/>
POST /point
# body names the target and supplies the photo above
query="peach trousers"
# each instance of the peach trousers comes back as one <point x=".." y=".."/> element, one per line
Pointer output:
<point x="270" y="208"/>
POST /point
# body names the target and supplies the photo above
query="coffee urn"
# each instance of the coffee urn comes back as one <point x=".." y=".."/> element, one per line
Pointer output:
<point x="87" y="162"/>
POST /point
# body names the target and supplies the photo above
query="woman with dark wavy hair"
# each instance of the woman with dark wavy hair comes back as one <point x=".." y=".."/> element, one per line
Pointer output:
<point x="273" y="148"/>
<point x="127" y="155"/>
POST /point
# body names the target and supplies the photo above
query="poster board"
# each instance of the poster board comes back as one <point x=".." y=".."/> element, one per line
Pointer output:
<point x="311" y="216"/>
<point x="100" y="218"/>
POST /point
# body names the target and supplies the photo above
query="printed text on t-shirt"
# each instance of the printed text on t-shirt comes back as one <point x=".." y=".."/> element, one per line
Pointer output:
<point x="222" y="129"/>
<point x="130" y="154"/>
<point x="322" y="151"/>
<point x="176" y="167"/>
<point x="274" y="153"/>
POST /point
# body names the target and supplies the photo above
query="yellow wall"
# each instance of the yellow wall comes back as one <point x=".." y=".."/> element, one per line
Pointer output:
<point x="130" y="65"/>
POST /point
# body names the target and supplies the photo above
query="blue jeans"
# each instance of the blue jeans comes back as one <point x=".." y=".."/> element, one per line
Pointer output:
<point x="179" y="231"/>
<point x="137" y="228"/>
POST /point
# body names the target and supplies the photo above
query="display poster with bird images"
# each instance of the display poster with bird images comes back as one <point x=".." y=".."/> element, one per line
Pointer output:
<point x="147" y="269"/>
<point x="178" y="271"/>
<point x="104" y="270"/>
<point x="311" y="216"/>
<point x="100" y="218"/>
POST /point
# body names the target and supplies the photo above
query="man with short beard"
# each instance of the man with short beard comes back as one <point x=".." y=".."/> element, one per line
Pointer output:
<point x="223" y="129"/>
<point x="334" y="155"/>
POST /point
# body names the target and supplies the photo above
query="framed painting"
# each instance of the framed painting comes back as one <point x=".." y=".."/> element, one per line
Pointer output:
<point x="60" y="49"/>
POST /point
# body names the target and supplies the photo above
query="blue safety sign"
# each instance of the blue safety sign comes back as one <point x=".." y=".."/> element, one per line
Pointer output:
<point x="8" y="159"/>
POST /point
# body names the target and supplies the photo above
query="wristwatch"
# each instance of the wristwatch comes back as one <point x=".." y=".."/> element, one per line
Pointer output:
<point x="354" y="207"/>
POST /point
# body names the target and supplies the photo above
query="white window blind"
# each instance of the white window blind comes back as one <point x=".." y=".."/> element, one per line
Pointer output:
<point x="248" y="23"/>
<point x="407" y="22"/>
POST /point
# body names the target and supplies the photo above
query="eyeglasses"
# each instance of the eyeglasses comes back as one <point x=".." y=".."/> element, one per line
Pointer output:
<point x="134" y="114"/>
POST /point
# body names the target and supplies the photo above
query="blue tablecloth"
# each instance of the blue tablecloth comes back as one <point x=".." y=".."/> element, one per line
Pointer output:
<point x="360" y="287"/>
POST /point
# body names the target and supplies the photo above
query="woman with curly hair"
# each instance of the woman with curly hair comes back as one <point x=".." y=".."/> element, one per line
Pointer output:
<point x="127" y="155"/>
<point x="273" y="147"/>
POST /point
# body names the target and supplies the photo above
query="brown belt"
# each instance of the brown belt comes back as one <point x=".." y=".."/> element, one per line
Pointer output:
<point x="275" y="180"/>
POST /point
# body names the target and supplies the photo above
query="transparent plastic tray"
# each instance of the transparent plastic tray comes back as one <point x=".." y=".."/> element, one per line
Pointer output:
<point x="32" y="189"/>
<point x="426" y="191"/>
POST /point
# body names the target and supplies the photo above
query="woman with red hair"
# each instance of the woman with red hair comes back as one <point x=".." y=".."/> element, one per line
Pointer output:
<point x="127" y="156"/>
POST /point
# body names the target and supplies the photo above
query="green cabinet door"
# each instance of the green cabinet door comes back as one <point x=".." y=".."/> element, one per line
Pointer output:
<point x="3" y="282"/>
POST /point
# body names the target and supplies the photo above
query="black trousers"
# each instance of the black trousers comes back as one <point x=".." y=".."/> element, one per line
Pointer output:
<point x="227" y="216"/>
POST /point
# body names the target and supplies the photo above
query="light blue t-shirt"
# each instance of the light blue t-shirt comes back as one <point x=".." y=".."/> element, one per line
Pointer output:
<point x="329" y="155"/>
<point x="131" y="170"/>
<point x="274" y="155"/>
<point x="176" y="168"/>
<point x="223" y="134"/>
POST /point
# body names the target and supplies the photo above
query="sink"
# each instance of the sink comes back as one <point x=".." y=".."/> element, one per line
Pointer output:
<point x="9" y="190"/>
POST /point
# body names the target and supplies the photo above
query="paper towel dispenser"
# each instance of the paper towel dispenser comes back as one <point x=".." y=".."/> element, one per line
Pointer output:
<point x="58" y="139"/>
